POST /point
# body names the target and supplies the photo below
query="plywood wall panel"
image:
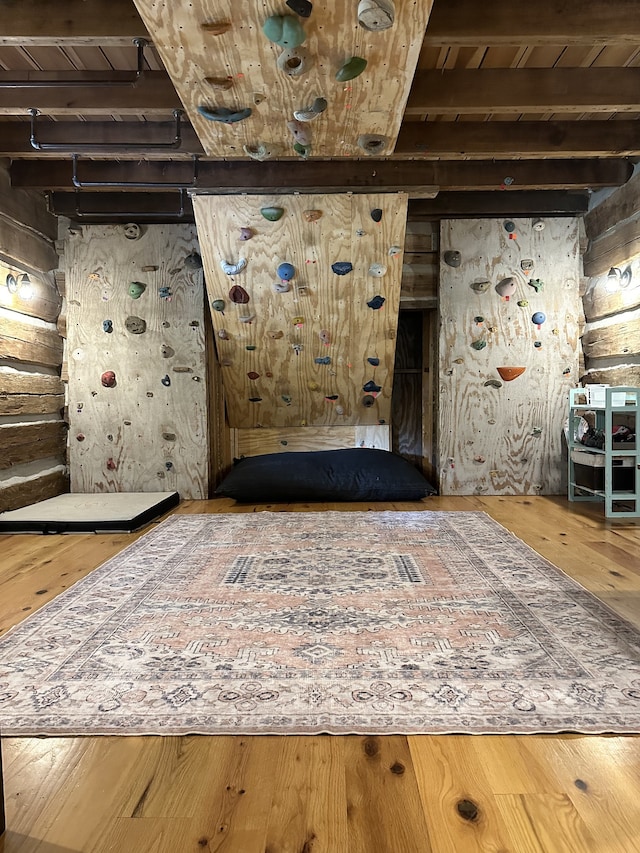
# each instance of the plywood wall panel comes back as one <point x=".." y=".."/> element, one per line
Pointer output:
<point x="291" y="387"/>
<point x="143" y="434"/>
<point x="507" y="439"/>
<point x="373" y="103"/>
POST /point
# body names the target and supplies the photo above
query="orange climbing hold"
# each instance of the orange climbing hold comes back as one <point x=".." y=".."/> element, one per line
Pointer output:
<point x="510" y="373"/>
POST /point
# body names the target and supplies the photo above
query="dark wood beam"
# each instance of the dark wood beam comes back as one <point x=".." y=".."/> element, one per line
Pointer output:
<point x="522" y="90"/>
<point x="161" y="206"/>
<point x="152" y="95"/>
<point x="41" y="22"/>
<point x="568" y="22"/>
<point x="15" y="136"/>
<point x="617" y="208"/>
<point x="519" y="138"/>
<point x="416" y="177"/>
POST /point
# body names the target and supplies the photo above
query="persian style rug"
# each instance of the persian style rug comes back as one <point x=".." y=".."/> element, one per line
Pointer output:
<point x="339" y="622"/>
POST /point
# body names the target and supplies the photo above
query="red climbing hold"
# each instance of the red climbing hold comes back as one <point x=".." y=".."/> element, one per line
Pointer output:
<point x="108" y="379"/>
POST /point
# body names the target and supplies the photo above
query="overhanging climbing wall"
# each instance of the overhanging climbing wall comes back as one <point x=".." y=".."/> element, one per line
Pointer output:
<point x="305" y="307"/>
<point x="137" y="373"/>
<point x="509" y="309"/>
<point x="220" y="59"/>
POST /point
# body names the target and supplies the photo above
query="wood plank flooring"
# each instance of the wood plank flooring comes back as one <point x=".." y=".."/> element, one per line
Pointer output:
<point x="325" y="794"/>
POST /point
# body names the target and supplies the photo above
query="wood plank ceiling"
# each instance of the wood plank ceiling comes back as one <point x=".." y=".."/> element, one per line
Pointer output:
<point x="510" y="108"/>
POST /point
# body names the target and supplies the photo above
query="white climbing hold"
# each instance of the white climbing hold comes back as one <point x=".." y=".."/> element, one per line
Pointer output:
<point x="233" y="269"/>
<point x="376" y="15"/>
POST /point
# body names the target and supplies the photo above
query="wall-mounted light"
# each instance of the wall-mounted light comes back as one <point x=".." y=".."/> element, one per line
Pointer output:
<point x="25" y="288"/>
<point x="613" y="280"/>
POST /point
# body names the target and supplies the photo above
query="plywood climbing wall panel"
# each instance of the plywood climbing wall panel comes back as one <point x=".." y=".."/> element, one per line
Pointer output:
<point x="322" y="352"/>
<point x="501" y="435"/>
<point x="238" y="69"/>
<point x="148" y="432"/>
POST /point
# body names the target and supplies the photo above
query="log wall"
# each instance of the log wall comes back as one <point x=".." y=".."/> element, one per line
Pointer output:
<point x="498" y="435"/>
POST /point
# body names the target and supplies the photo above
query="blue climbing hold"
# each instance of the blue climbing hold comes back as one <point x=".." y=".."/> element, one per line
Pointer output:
<point x="166" y="380"/>
<point x="323" y="360"/>
<point x="374" y="361"/>
<point x="376" y="303"/>
<point x="342" y="267"/>
<point x="371" y="387"/>
<point x="286" y="271"/>
<point x="107" y="326"/>
<point x="224" y="114"/>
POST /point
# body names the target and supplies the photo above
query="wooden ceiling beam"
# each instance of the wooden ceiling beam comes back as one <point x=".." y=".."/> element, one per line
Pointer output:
<point x="89" y="22"/>
<point x="587" y="22"/>
<point x="152" y="95"/>
<point x="417" y="177"/>
<point x="525" y="90"/>
<point x="519" y="138"/>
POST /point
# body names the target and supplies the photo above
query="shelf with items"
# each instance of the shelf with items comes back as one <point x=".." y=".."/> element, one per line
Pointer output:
<point x="603" y="449"/>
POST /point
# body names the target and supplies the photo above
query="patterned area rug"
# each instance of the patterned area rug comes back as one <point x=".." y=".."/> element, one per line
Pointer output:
<point x="282" y="623"/>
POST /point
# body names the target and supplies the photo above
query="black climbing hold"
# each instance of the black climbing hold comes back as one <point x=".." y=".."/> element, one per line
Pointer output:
<point x="193" y="261"/>
<point x="376" y="214"/>
<point x="493" y="383"/>
<point x="107" y="326"/>
<point x="323" y="360"/>
<point x="331" y="397"/>
<point x="374" y="361"/>
<point x="255" y="399"/>
<point x="342" y="267"/>
<point x="368" y="401"/>
<point x="166" y="380"/>
<point x="300" y="7"/>
<point x="223" y="114"/>
<point x="371" y="387"/>
<point x="376" y="303"/>
<point x="250" y="347"/>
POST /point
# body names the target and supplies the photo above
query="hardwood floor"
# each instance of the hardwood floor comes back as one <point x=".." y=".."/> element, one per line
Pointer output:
<point x="325" y="794"/>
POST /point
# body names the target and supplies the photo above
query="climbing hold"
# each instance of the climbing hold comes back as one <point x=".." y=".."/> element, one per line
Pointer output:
<point x="522" y="303"/>
<point x="311" y="215"/>
<point x="376" y="15"/>
<point x="325" y="337"/>
<point x="555" y="331"/>
<point x="376" y="303"/>
<point x="331" y="398"/>
<point x="342" y="267"/>
<point x="510" y="373"/>
<point x="218" y="305"/>
<point x="166" y="380"/>
<point x="539" y="225"/>
<point x="223" y="334"/>
<point x="376" y="214"/>
<point x="297" y="321"/>
<point x="526" y="265"/>
<point x="194" y="324"/>
<point x="300" y="132"/>
<point x="509" y="226"/>
<point x="239" y="295"/>
<point x="165" y="293"/>
<point x="452" y="258"/>
<point x="257" y="152"/>
<point x="303" y="151"/>
<point x="281" y="286"/>
<point x="458" y="360"/>
<point x="167" y="352"/>
<point x="537" y="284"/>
<point x="180" y="369"/>
<point x="479" y="459"/>
<point x="132" y="231"/>
<point x="480" y="286"/>
<point x="224" y="114"/>
<point x="287" y="399"/>
<point x="294" y="62"/>
<point x="258" y="98"/>
<point x="506" y="288"/>
<point x="371" y="387"/>
<point x="302" y="8"/>
<point x="310" y="112"/>
<point x="286" y="271"/>
<point x="80" y="437"/>
<point x="135" y="325"/>
<point x="108" y="379"/>
<point x="107" y="326"/>
<point x="297" y="348"/>
<point x="372" y="143"/>
<point x="215" y="28"/>
<point x="272" y="213"/>
<point x="136" y="289"/>
<point x="150" y="268"/>
<point x="351" y="69"/>
<point x="368" y="401"/>
<point x="251" y="347"/>
<point x="313" y="386"/>
<point x="245" y="233"/>
<point x="377" y="270"/>
<point x="394" y="251"/>
<point x="493" y="383"/>
<point x="537" y="344"/>
<point x="219" y="82"/>
<point x="275" y="336"/>
<point x="566" y="371"/>
<point x="233" y="269"/>
<point x="538" y="318"/>
<point x="536" y="431"/>
<point x="255" y="399"/>
<point x="253" y="375"/>
<point x="339" y="410"/>
<point x="284" y="30"/>
<point x="478" y="320"/>
<point x="323" y="359"/>
<point x="479" y="344"/>
<point x="247" y="318"/>
<point x="111" y="465"/>
<point x="193" y="261"/>
<point x="374" y="361"/>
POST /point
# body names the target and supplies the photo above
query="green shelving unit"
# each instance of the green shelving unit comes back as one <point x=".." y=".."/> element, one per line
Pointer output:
<point x="610" y="474"/>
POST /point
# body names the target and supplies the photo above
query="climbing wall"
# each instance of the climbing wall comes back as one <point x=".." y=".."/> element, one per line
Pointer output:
<point x="304" y="293"/>
<point x="137" y="372"/>
<point x="224" y="65"/>
<point x="509" y="309"/>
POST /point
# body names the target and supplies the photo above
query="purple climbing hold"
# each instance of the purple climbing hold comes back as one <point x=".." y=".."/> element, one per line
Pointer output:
<point x="238" y="295"/>
<point x="246" y="233"/>
<point x="374" y="361"/>
<point x="371" y="387"/>
<point x="342" y="267"/>
<point x="376" y="303"/>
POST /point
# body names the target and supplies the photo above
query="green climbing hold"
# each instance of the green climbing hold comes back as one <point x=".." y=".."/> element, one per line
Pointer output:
<point x="537" y="284"/>
<point x="522" y="303"/>
<point x="136" y="289"/>
<point x="284" y="30"/>
<point x="480" y="344"/>
<point x="302" y="150"/>
<point x="272" y="213"/>
<point x="224" y="114"/>
<point x="351" y="69"/>
<point x="218" y="305"/>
